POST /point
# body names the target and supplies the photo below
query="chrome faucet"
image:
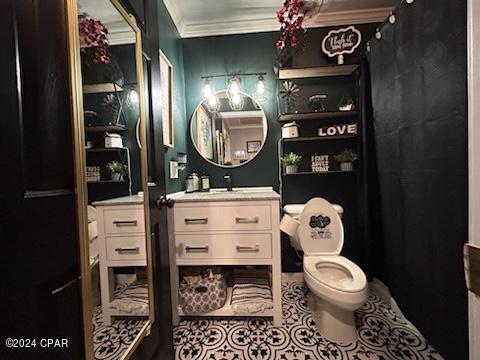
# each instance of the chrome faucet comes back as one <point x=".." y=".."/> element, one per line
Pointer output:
<point x="228" y="179"/>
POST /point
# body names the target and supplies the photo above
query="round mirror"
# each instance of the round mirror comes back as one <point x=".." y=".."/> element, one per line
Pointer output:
<point x="228" y="131"/>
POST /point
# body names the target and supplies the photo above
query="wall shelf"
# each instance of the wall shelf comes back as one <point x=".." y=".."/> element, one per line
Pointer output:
<point x="317" y="115"/>
<point x="319" y="173"/>
<point x="313" y="72"/>
<point x="107" y="182"/>
<point x="105" y="149"/>
<point x="319" y="138"/>
<point x="105" y="128"/>
<point x="101" y="88"/>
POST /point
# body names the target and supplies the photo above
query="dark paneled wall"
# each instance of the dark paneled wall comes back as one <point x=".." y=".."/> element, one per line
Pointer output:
<point x="419" y="98"/>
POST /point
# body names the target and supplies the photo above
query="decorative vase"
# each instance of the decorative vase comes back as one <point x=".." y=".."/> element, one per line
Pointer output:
<point x="291" y="169"/>
<point x="289" y="105"/>
<point x="346" y="166"/>
<point x="116" y="177"/>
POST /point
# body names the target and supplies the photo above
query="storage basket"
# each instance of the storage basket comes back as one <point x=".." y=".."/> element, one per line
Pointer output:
<point x="201" y="294"/>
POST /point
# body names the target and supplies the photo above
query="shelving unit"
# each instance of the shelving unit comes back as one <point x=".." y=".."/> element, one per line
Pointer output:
<point x="319" y="138"/>
<point x="101" y="88"/>
<point x="106" y="149"/>
<point x="316" y="72"/>
<point x="106" y="128"/>
<point x="320" y="173"/>
<point x="340" y="83"/>
<point x="317" y="115"/>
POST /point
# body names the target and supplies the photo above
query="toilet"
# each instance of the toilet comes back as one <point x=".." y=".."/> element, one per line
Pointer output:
<point x="337" y="286"/>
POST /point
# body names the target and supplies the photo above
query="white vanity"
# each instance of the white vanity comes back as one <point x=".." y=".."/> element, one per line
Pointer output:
<point x="121" y="243"/>
<point x="239" y="227"/>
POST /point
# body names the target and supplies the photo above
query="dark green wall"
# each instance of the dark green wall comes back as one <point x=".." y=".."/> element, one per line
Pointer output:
<point x="231" y="54"/>
<point x="248" y="53"/>
<point x="171" y="45"/>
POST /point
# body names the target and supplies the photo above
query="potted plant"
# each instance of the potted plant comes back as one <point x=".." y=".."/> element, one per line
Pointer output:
<point x="117" y="170"/>
<point x="346" y="159"/>
<point x="291" y="162"/>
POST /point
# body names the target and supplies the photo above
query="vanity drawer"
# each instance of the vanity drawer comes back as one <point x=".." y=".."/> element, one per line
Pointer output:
<point x="126" y="248"/>
<point x="223" y="246"/>
<point x="222" y="218"/>
<point x="127" y="221"/>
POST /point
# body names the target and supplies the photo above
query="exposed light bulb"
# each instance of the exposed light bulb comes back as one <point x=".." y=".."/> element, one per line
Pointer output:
<point x="236" y="99"/>
<point x="208" y="89"/>
<point x="260" y="89"/>
<point x="378" y="35"/>
<point x="233" y="86"/>
<point x="133" y="97"/>
<point x="410" y="1"/>
<point x="212" y="100"/>
<point x="392" y="19"/>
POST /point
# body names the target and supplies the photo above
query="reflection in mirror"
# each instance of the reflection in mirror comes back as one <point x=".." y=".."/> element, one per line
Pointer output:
<point x="116" y="212"/>
<point x="228" y="135"/>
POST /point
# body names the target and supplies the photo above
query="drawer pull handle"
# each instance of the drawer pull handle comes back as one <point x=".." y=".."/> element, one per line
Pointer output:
<point x="128" y="250"/>
<point x="255" y="248"/>
<point x="244" y="220"/>
<point x="125" y="222"/>
<point x="196" y="249"/>
<point x="196" y="220"/>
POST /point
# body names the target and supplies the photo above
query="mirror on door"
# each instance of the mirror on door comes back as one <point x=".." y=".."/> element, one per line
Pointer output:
<point x="115" y="176"/>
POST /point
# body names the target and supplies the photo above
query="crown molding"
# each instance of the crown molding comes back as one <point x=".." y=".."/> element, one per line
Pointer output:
<point x="175" y="14"/>
<point x="271" y="24"/>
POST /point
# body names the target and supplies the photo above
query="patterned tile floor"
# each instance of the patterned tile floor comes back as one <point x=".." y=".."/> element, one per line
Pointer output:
<point x="111" y="341"/>
<point x="383" y="335"/>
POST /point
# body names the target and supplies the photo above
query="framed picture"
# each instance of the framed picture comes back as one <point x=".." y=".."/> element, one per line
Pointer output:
<point x="166" y="81"/>
<point x="203" y="125"/>
<point x="253" y="146"/>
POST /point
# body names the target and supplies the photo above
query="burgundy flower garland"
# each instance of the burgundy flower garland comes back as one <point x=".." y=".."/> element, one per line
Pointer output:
<point x="291" y="17"/>
<point x="93" y="39"/>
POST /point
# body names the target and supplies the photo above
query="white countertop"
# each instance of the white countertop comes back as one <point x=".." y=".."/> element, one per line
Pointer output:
<point x="124" y="200"/>
<point x="238" y="194"/>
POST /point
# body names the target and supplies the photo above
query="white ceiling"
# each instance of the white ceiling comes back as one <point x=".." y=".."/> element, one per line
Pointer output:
<point x="119" y="31"/>
<point x="195" y="18"/>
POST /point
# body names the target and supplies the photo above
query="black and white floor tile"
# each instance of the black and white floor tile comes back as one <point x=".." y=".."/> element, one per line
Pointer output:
<point x="111" y="341"/>
<point x="383" y="335"/>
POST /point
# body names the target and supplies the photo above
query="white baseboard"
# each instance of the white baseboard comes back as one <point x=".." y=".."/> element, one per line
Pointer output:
<point x="292" y="277"/>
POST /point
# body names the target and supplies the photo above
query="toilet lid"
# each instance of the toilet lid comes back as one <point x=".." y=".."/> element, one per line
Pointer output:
<point x="321" y="229"/>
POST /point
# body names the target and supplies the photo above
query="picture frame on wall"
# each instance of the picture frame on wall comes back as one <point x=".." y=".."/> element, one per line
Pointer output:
<point x="254" y="146"/>
<point x="166" y="81"/>
<point x="203" y="129"/>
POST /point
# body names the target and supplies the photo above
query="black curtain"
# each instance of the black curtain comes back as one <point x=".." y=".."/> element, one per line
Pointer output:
<point x="419" y="96"/>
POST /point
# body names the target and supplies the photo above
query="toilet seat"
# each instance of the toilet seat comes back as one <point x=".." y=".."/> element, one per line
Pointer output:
<point x="335" y="272"/>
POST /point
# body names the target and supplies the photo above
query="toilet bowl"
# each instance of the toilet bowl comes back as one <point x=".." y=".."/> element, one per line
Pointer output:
<point x="337" y="286"/>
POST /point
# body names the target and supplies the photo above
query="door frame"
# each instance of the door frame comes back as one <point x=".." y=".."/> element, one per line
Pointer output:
<point x="473" y="35"/>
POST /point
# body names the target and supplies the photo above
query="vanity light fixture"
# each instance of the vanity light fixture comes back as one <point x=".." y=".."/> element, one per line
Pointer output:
<point x="234" y="87"/>
<point x="236" y="102"/>
<point x="208" y="89"/>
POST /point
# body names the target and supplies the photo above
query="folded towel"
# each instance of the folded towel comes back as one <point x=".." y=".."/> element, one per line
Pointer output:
<point x="133" y="300"/>
<point x="251" y="296"/>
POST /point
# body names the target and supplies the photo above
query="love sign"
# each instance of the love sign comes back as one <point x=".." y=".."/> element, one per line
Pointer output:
<point x="341" y="41"/>
<point x="338" y="130"/>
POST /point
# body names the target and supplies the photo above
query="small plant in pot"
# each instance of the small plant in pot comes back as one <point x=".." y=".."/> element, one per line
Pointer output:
<point x="346" y="159"/>
<point x="291" y="162"/>
<point x="117" y="169"/>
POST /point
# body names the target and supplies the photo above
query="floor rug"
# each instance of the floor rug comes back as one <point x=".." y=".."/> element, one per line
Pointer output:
<point x="383" y="334"/>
